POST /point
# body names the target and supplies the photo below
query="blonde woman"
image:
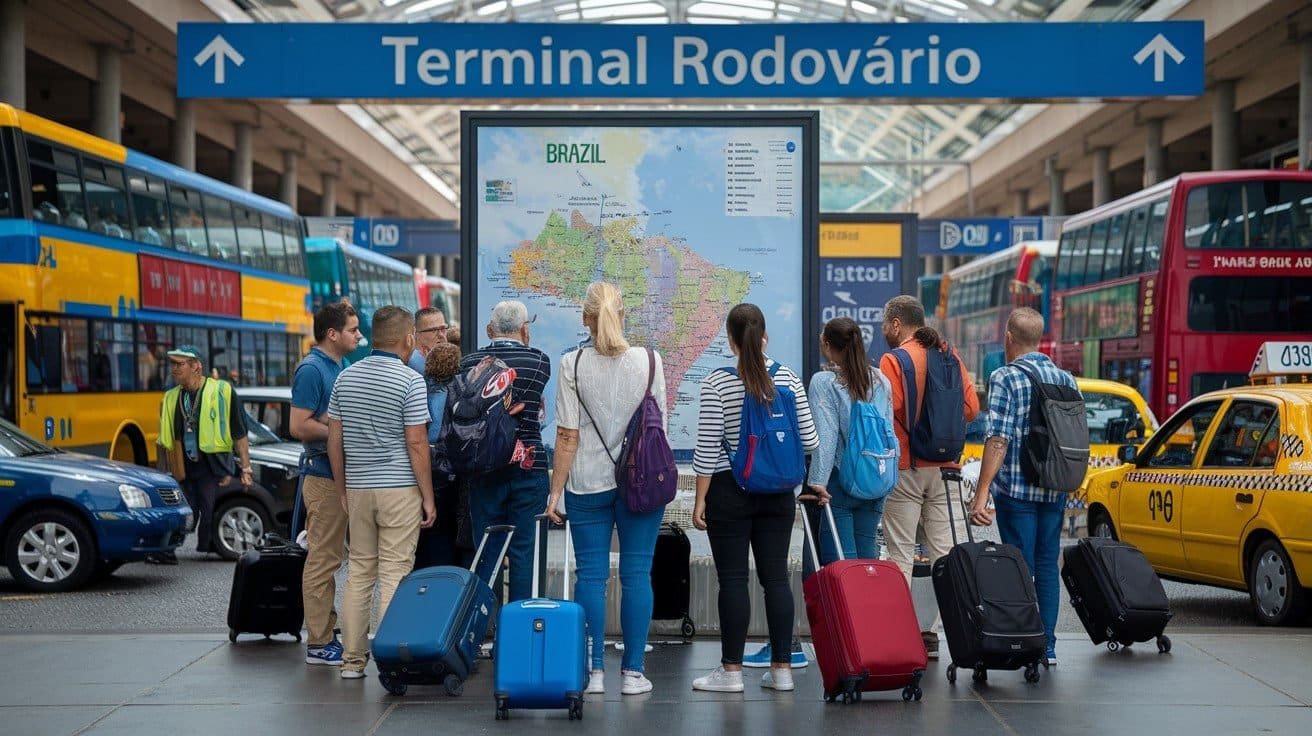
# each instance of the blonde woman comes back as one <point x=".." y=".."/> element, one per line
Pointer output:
<point x="601" y="385"/>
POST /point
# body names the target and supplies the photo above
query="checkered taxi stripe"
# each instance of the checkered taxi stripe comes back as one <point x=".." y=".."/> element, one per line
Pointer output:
<point x="1291" y="445"/>
<point x="1297" y="482"/>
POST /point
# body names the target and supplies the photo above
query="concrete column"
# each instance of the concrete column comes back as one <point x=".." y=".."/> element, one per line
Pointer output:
<point x="1305" y="104"/>
<point x="328" y="204"/>
<point x="1154" y="153"/>
<point x="243" y="172"/>
<point x="932" y="265"/>
<point x="184" y="135"/>
<point x="1102" y="175"/>
<point x="287" y="185"/>
<point x="107" y="98"/>
<point x="360" y="199"/>
<point x="1056" y="188"/>
<point x="13" y="54"/>
<point x="1020" y="202"/>
<point x="1225" y="127"/>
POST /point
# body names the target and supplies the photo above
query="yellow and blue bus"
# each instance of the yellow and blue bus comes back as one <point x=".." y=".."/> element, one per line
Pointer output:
<point x="369" y="280"/>
<point x="109" y="258"/>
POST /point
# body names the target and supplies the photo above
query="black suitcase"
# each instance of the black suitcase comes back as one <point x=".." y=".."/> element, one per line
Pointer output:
<point x="987" y="602"/>
<point x="266" y="590"/>
<point x="670" y="578"/>
<point x="1117" y="594"/>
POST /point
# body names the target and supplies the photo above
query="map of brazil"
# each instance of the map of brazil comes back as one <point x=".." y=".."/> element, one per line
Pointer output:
<point x="687" y="221"/>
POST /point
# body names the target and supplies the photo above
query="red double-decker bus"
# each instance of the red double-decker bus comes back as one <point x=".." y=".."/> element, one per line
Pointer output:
<point x="1173" y="289"/>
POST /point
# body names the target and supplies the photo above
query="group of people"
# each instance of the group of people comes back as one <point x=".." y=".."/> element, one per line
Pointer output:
<point x="369" y="428"/>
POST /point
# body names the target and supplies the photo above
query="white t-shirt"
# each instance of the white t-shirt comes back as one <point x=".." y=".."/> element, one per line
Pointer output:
<point x="611" y="388"/>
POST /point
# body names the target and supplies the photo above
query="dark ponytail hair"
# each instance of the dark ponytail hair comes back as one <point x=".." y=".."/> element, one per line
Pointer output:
<point x="928" y="338"/>
<point x="746" y="329"/>
<point x="843" y="336"/>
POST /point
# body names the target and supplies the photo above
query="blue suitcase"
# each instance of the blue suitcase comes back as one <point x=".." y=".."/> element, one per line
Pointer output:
<point x="436" y="622"/>
<point x="541" y="651"/>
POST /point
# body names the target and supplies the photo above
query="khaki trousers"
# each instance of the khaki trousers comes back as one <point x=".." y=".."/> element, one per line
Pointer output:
<point x="918" y="500"/>
<point x="384" y="524"/>
<point x="325" y="527"/>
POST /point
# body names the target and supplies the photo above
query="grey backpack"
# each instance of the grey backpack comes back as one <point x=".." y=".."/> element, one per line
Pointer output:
<point x="1055" y="455"/>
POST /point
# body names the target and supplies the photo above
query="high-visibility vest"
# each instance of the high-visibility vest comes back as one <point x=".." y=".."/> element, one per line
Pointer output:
<point x="214" y="423"/>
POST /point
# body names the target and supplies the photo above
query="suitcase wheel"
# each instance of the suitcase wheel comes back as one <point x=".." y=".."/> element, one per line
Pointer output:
<point x="952" y="674"/>
<point x="1113" y="646"/>
<point x="503" y="709"/>
<point x="1163" y="644"/>
<point x="232" y="635"/>
<point x="910" y="691"/>
<point x="1032" y="672"/>
<point x="392" y="686"/>
<point x="981" y="675"/>
<point x="454" y="685"/>
<point x="689" y="629"/>
<point x="576" y="708"/>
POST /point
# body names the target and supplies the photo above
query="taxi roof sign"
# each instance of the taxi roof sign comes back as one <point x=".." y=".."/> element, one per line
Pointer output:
<point x="1282" y="360"/>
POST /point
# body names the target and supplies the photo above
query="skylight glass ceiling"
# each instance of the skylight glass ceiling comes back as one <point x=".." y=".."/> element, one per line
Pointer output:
<point x="871" y="154"/>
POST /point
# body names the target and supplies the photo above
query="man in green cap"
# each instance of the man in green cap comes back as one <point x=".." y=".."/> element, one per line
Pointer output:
<point x="200" y="426"/>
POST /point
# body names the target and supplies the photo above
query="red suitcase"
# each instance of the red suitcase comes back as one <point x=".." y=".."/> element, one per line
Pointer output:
<point x="863" y="625"/>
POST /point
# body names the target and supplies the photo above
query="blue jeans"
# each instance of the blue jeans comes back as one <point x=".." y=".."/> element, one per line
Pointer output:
<point x="592" y="516"/>
<point x="511" y="496"/>
<point x="1035" y="527"/>
<point x="857" y="520"/>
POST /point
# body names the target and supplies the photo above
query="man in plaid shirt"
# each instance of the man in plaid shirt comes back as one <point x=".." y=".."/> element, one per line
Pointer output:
<point x="1029" y="517"/>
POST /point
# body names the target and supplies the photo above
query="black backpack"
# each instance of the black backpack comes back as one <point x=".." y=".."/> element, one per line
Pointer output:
<point x="938" y="433"/>
<point x="1056" y="452"/>
<point x="480" y="419"/>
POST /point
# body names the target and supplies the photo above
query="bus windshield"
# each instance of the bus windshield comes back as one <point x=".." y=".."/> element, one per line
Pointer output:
<point x="1268" y="214"/>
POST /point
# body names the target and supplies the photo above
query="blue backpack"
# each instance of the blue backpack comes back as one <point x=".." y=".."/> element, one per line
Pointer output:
<point x="868" y="470"/>
<point x="937" y="434"/>
<point x="769" y="457"/>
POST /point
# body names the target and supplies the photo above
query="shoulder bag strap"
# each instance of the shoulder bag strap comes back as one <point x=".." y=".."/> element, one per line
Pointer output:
<point x="578" y="357"/>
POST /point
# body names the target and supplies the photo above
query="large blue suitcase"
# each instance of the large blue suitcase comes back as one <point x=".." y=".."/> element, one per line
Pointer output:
<point x="541" y="651"/>
<point x="435" y="624"/>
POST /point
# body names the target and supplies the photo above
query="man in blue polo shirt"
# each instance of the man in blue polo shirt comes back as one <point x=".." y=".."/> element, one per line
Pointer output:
<point x="336" y="333"/>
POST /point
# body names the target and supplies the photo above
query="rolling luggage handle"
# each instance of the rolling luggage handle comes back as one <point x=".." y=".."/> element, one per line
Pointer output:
<point x="810" y="540"/>
<point x="509" y="531"/>
<point x="540" y="556"/>
<point x="953" y="475"/>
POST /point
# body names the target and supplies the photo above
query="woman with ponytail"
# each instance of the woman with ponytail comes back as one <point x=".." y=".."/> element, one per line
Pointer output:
<point x="849" y="377"/>
<point x="601" y="385"/>
<point x="734" y="519"/>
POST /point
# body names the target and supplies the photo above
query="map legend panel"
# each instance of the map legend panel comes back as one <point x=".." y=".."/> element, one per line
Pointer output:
<point x="760" y="177"/>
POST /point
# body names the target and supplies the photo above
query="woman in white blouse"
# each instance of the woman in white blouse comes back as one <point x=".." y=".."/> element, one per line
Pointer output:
<point x="600" y="387"/>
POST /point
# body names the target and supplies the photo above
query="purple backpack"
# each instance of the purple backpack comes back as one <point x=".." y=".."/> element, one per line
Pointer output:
<point x="645" y="473"/>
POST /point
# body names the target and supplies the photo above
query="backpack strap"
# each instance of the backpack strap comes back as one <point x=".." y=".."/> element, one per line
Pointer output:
<point x="578" y="357"/>
<point x="908" y="387"/>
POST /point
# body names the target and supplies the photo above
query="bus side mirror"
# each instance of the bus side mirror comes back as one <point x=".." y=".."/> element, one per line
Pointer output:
<point x="1127" y="453"/>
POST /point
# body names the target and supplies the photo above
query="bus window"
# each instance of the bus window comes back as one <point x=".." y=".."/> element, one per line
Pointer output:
<point x="1112" y="268"/>
<point x="56" y="185"/>
<point x="1250" y="304"/>
<point x="1071" y="259"/>
<point x="57" y="355"/>
<point x="1152" y="246"/>
<point x="250" y="238"/>
<point x="1257" y="214"/>
<point x="222" y="234"/>
<point x="1134" y="240"/>
<point x="188" y="221"/>
<point x="113" y="357"/>
<point x="224" y="355"/>
<point x="152" y="361"/>
<point x="150" y="210"/>
<point x="107" y="199"/>
<point x="293" y="248"/>
<point x="1092" y="270"/>
<point x="8" y="202"/>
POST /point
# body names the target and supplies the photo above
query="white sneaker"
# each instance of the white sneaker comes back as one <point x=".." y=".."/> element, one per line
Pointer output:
<point x="352" y="674"/>
<point x="619" y="647"/>
<point x="634" y="683"/>
<point x="777" y="679"/>
<point x="596" y="682"/>
<point x="719" y="681"/>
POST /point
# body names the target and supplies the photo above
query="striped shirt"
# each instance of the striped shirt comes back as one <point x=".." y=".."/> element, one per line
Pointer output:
<point x="375" y="399"/>
<point x="1010" y="394"/>
<point x="720" y="416"/>
<point x="532" y="370"/>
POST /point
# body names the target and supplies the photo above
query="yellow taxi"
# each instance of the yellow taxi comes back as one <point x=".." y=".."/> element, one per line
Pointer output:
<point x="1222" y="493"/>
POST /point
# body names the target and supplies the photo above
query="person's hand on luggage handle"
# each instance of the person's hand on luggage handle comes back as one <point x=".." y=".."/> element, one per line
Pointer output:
<point x="553" y="501"/>
<point x="699" y="514"/>
<point x="980" y="513"/>
<point x="818" y="494"/>
<point x="430" y="515"/>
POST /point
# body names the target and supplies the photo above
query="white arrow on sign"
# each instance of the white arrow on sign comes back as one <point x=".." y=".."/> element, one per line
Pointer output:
<point x="1159" y="48"/>
<point x="221" y="51"/>
<point x="845" y="297"/>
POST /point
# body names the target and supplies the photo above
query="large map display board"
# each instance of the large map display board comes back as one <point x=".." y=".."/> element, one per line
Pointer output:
<point x="687" y="214"/>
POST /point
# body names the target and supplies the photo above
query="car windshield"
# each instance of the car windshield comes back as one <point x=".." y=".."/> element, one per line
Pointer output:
<point x="259" y="434"/>
<point x="14" y="442"/>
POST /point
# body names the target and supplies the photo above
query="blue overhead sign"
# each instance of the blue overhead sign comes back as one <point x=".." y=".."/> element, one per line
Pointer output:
<point x="396" y="237"/>
<point x="754" y="61"/>
<point x="973" y="236"/>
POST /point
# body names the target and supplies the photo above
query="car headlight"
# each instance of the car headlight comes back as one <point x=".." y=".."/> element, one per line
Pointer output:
<point x="134" y="497"/>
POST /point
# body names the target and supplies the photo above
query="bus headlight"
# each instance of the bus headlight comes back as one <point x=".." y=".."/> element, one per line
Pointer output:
<point x="134" y="497"/>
